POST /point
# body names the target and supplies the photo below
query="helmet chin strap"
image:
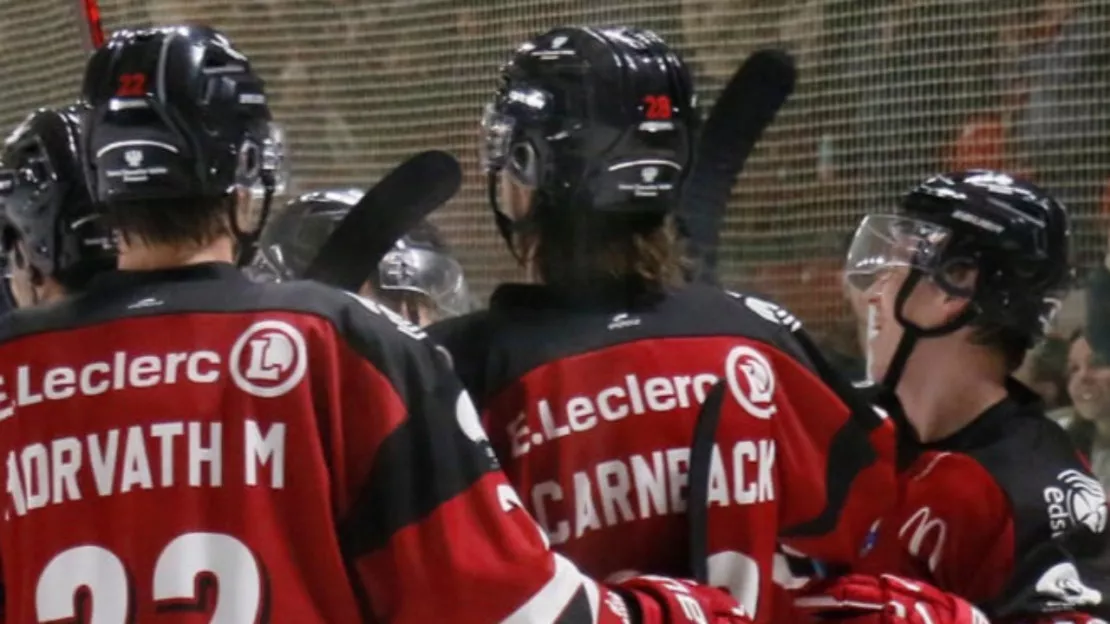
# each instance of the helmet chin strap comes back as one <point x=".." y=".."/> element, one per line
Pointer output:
<point x="508" y="227"/>
<point x="911" y="332"/>
<point x="247" y="241"/>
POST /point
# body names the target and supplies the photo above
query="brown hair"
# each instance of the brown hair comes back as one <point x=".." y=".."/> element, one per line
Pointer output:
<point x="1010" y="342"/>
<point x="579" y="250"/>
<point x="186" y="221"/>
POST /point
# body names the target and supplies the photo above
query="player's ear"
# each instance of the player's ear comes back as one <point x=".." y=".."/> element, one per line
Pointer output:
<point x="516" y="196"/>
<point x="247" y="211"/>
<point x="959" y="288"/>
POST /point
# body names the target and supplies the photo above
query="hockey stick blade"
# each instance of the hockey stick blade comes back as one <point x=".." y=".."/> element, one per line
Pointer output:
<point x="385" y="213"/>
<point x="747" y="106"/>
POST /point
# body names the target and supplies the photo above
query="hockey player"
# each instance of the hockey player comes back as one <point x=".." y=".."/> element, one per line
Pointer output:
<point x="996" y="506"/>
<point x="53" y="240"/>
<point x="590" y="380"/>
<point x="417" y="279"/>
<point x="181" y="440"/>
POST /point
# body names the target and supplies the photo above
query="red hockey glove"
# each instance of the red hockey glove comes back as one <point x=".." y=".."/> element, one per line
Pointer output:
<point x="886" y="599"/>
<point x="660" y="599"/>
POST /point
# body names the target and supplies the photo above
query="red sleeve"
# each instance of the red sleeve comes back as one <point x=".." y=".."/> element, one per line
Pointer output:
<point x="973" y="554"/>
<point x="837" y="468"/>
<point x="429" y="524"/>
<point x="953" y="528"/>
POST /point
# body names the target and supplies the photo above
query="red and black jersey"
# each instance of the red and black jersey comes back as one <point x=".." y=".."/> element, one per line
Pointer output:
<point x="591" y="402"/>
<point x="1003" y="513"/>
<point x="188" y="446"/>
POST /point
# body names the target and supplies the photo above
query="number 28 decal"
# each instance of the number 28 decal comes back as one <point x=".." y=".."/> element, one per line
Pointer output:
<point x="657" y="107"/>
<point x="90" y="584"/>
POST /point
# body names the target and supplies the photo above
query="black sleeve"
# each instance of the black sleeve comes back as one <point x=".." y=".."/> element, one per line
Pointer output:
<point x="466" y="340"/>
<point x="1061" y="544"/>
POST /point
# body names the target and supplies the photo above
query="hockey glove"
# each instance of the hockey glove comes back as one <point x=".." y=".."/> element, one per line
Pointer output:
<point x="886" y="599"/>
<point x="659" y="599"/>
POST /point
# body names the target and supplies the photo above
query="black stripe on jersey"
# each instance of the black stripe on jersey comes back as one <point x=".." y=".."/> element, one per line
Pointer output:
<point x="578" y="609"/>
<point x="493" y="348"/>
<point x="426" y="461"/>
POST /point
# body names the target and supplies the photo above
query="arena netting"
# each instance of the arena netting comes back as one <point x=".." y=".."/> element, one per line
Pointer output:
<point x="889" y="91"/>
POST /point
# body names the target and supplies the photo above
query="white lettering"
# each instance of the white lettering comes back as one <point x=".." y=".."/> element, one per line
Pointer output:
<point x="580" y="414"/>
<point x="104" y="461"/>
<point x="200" y="455"/>
<point x="550" y="420"/>
<point x="660" y="394"/>
<point x="638" y="487"/>
<point x="88" y="386"/>
<point x="36" y="478"/>
<point x="15" y="485"/>
<point x="166" y="432"/>
<point x="549" y="490"/>
<point x="262" y="449"/>
<point x="651" y="484"/>
<point x="122" y="461"/>
<point x="136" y="468"/>
<point x="613" y="485"/>
<point x="59" y="383"/>
<point x="586" y="518"/>
<point x="678" y="469"/>
<point x="144" y="371"/>
<point x="65" y="456"/>
<point x="7" y="411"/>
<point x="24" y="395"/>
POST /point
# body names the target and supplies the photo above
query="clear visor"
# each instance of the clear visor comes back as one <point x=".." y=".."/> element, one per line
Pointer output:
<point x="886" y="242"/>
<point x="255" y="159"/>
<point x="437" y="276"/>
<point x="265" y="156"/>
<point x="497" y="135"/>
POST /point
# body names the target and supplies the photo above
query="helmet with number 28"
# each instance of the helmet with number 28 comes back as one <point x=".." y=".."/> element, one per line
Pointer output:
<point x="591" y="119"/>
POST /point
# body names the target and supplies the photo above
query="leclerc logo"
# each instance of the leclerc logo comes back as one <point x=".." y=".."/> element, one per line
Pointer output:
<point x="269" y="359"/>
<point x="751" y="381"/>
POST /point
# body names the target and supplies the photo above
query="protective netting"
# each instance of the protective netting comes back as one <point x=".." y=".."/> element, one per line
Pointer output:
<point x="890" y="90"/>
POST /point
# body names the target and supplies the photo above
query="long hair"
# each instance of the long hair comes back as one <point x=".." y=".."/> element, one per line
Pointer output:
<point x="579" y="250"/>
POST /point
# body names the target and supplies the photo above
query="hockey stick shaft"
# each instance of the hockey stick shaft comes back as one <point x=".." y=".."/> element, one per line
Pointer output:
<point x="392" y="207"/>
<point x="746" y="107"/>
<point x="93" y="26"/>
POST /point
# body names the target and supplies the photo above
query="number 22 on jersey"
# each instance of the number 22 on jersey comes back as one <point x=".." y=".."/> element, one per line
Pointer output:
<point x="89" y="584"/>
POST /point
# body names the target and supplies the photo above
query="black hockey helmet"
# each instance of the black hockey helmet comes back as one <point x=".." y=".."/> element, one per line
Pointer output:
<point x="419" y="262"/>
<point x="177" y="113"/>
<point x="1012" y="233"/>
<point x="44" y="197"/>
<point x="593" y="119"/>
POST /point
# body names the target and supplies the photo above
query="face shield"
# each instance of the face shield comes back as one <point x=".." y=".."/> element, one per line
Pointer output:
<point x="497" y="134"/>
<point x="263" y="171"/>
<point x="884" y="243"/>
<point x="500" y="123"/>
<point x="437" y="276"/>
